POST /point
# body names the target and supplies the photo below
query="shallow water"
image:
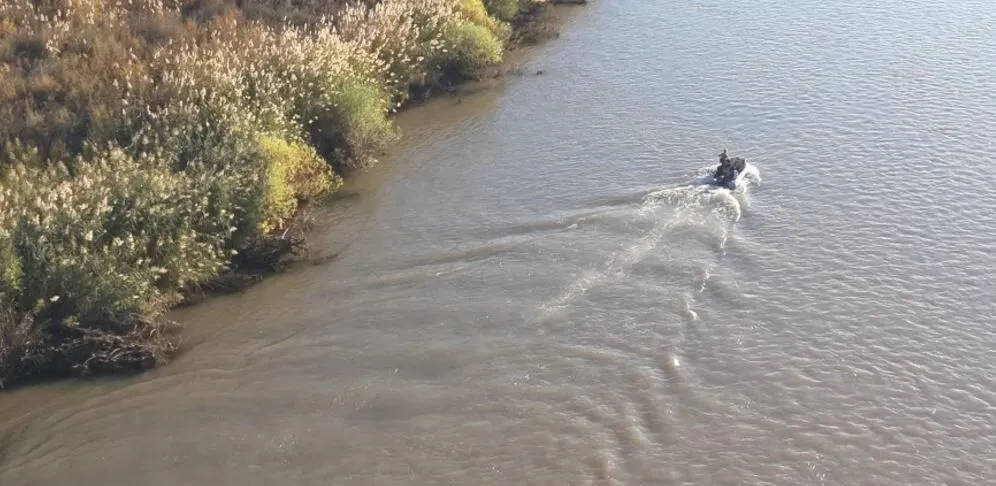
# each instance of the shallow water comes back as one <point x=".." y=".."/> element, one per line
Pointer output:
<point x="532" y="290"/>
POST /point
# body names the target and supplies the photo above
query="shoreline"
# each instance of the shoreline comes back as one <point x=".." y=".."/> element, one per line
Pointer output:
<point x="54" y="347"/>
<point x="302" y="223"/>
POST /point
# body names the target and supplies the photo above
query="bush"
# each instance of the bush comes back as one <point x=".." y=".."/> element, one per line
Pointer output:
<point x="89" y="255"/>
<point x="109" y="242"/>
<point x="18" y="336"/>
<point x="476" y="12"/>
<point x="472" y="48"/>
<point x="356" y="126"/>
<point x="503" y="9"/>
<point x="68" y="66"/>
<point x="294" y="172"/>
<point x="403" y="36"/>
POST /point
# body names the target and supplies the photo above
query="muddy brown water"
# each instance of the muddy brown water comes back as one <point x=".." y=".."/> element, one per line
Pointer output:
<point x="532" y="289"/>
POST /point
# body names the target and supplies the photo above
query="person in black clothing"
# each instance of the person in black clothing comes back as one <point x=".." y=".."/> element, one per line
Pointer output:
<point x="723" y="171"/>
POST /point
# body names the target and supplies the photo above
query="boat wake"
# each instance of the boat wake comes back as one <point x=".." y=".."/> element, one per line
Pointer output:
<point x="700" y="207"/>
<point x="704" y="194"/>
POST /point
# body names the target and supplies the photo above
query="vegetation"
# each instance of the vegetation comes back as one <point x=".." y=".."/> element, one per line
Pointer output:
<point x="151" y="147"/>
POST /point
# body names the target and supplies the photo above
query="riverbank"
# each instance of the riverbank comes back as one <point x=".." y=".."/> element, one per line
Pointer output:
<point x="154" y="152"/>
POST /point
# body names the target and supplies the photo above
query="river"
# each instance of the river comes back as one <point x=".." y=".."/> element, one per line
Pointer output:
<point x="532" y="289"/>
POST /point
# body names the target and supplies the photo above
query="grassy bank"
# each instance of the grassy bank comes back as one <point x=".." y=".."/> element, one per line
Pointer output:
<point x="152" y="148"/>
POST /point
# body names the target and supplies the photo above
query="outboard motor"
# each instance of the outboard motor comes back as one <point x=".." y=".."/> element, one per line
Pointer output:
<point x="738" y="164"/>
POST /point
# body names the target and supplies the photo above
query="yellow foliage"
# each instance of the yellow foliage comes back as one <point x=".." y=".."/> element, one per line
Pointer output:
<point x="473" y="47"/>
<point x="294" y="172"/>
<point x="476" y="12"/>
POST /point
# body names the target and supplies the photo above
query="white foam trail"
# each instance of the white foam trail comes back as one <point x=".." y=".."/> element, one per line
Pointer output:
<point x="687" y="301"/>
<point x="706" y="275"/>
<point x="687" y="202"/>
<point x="613" y="270"/>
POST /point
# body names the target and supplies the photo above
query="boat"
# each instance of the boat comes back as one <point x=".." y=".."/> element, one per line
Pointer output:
<point x="730" y="172"/>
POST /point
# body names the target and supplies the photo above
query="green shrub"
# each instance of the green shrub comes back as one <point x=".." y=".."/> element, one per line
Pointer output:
<point x="355" y="127"/>
<point x="503" y="9"/>
<point x="472" y="48"/>
<point x="111" y="240"/>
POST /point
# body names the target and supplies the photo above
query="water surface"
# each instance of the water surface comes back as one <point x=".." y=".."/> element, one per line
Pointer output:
<point x="532" y="290"/>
